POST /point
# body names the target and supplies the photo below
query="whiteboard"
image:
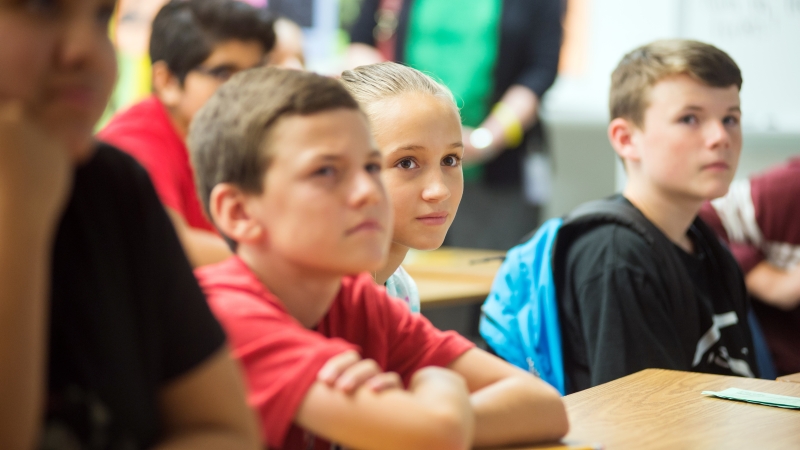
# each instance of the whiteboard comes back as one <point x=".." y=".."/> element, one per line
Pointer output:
<point x="763" y="36"/>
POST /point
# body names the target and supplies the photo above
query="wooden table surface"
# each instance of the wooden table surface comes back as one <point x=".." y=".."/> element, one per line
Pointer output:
<point x="658" y="408"/>
<point x="451" y="276"/>
<point x="793" y="378"/>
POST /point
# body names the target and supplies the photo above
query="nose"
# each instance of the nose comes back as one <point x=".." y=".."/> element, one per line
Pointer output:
<point x="717" y="135"/>
<point x="367" y="189"/>
<point x="436" y="189"/>
<point x="79" y="38"/>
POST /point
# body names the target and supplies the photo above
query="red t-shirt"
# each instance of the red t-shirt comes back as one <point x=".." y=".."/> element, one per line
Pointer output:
<point x="281" y="358"/>
<point x="146" y="133"/>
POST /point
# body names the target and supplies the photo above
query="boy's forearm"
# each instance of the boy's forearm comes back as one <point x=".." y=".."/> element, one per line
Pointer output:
<point x="519" y="409"/>
<point x="777" y="287"/>
<point x="434" y="414"/>
<point x="24" y="277"/>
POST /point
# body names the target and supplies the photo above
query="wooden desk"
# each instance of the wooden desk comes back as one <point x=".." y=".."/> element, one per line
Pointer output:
<point x="793" y="378"/>
<point x="452" y="276"/>
<point x="665" y="409"/>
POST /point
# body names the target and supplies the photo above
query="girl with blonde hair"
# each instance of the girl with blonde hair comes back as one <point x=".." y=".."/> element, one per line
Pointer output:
<point x="417" y="126"/>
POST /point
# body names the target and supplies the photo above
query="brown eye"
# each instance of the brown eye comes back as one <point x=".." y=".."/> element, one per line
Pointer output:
<point x="407" y="164"/>
<point x="450" y="160"/>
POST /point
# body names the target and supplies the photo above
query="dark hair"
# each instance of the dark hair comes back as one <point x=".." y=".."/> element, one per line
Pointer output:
<point x="186" y="31"/>
<point x="645" y="66"/>
<point x="228" y="138"/>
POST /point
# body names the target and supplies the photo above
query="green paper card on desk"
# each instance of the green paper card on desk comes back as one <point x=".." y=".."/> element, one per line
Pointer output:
<point x="760" y="398"/>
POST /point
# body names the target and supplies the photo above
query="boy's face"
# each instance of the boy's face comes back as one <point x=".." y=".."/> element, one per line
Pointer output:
<point x="323" y="206"/>
<point x="227" y="58"/>
<point x="691" y="139"/>
<point x="57" y="60"/>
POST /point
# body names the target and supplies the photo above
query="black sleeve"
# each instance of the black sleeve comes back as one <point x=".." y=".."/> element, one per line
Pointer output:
<point x="364" y="26"/>
<point x="623" y="315"/>
<point x="543" y="47"/>
<point x="188" y="333"/>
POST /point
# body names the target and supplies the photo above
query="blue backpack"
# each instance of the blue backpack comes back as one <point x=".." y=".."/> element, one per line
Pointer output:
<point x="519" y="319"/>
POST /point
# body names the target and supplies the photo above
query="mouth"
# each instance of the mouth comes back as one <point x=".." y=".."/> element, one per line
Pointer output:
<point x="369" y="225"/>
<point x="75" y="96"/>
<point x="437" y="218"/>
<point x="717" y="166"/>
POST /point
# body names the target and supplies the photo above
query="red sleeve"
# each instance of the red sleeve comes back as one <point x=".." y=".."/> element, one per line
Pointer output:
<point x="414" y="342"/>
<point x="280" y="358"/>
<point x="747" y="255"/>
<point x="159" y="166"/>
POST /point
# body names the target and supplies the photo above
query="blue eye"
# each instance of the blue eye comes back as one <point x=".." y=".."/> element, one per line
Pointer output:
<point x="327" y="171"/>
<point x="731" y="120"/>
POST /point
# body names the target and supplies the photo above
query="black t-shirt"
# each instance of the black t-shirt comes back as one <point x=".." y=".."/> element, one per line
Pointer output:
<point x="617" y="317"/>
<point x="127" y="315"/>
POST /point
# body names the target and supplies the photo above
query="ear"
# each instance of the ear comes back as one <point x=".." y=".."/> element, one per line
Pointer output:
<point x="167" y="86"/>
<point x="231" y="212"/>
<point x="622" y="135"/>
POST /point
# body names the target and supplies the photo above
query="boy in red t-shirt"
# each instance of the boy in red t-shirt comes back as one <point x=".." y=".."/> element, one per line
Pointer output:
<point x="289" y="174"/>
<point x="195" y="46"/>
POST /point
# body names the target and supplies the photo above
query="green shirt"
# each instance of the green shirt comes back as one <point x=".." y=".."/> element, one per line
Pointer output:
<point x="467" y="32"/>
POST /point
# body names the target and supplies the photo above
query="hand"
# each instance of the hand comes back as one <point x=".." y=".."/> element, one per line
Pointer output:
<point x="472" y="155"/>
<point x="348" y="372"/>
<point x="35" y="170"/>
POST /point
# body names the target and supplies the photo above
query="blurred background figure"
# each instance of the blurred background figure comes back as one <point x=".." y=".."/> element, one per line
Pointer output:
<point x="760" y="220"/>
<point x="288" y="50"/>
<point x="498" y="57"/>
<point x="132" y="25"/>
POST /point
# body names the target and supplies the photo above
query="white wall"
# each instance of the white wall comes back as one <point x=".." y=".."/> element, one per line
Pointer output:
<point x="762" y="35"/>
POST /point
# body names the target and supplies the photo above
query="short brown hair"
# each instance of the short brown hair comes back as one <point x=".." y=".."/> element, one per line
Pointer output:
<point x="642" y="68"/>
<point x="228" y="138"/>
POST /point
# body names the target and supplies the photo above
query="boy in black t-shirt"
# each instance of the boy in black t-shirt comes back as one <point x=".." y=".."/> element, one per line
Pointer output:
<point x="675" y="125"/>
<point x="105" y="338"/>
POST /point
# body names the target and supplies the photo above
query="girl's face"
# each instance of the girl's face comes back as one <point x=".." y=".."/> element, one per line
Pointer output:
<point x="58" y="61"/>
<point x="420" y="138"/>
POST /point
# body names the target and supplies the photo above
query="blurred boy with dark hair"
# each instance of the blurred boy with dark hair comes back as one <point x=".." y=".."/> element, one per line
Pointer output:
<point x="105" y="338"/>
<point x="195" y="46"/>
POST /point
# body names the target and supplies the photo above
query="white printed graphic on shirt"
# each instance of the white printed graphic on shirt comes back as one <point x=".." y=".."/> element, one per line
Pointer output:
<point x="723" y="359"/>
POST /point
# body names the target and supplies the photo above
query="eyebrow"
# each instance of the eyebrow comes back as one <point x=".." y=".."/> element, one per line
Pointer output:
<point x="699" y="108"/>
<point x="328" y="157"/>
<point x="414" y="147"/>
<point x="374" y="153"/>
